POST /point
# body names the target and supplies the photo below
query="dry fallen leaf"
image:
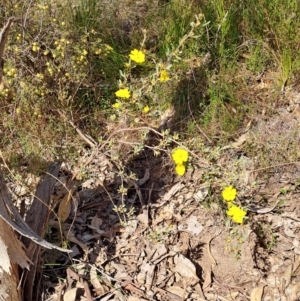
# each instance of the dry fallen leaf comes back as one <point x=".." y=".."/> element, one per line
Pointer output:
<point x="191" y="225"/>
<point x="166" y="213"/>
<point x="71" y="294"/>
<point x="143" y="217"/>
<point x="160" y="250"/>
<point x="166" y="295"/>
<point x="150" y="275"/>
<point x="289" y="227"/>
<point x="146" y="274"/>
<point x="64" y="208"/>
<point x="184" y="267"/>
<point x="130" y="228"/>
<point x="71" y="237"/>
<point x="257" y="293"/>
<point x="96" y="222"/>
<point x="201" y="194"/>
<point x="293" y="292"/>
<point x="173" y="190"/>
<point x="95" y="281"/>
<point x="176" y="290"/>
<point x="286" y="277"/>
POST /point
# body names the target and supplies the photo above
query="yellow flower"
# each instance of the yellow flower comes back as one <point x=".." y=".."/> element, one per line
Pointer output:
<point x="237" y="214"/>
<point x="35" y="47"/>
<point x="108" y="47"/>
<point x="180" y="169"/>
<point x="116" y="105"/>
<point x="123" y="93"/>
<point x="229" y="193"/>
<point x="39" y="76"/>
<point x="137" y="56"/>
<point x="180" y="156"/>
<point x="164" y="76"/>
<point x="146" y="109"/>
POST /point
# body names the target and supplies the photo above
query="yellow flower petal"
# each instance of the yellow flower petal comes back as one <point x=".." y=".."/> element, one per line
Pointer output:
<point x="180" y="169"/>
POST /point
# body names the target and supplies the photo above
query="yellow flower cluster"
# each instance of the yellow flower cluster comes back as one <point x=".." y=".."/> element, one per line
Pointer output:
<point x="236" y="213"/>
<point x="12" y="72"/>
<point x="180" y="157"/>
<point x="42" y="7"/>
<point x="139" y="57"/>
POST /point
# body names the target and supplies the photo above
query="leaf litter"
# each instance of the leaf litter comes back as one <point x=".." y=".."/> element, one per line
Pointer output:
<point x="176" y="244"/>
